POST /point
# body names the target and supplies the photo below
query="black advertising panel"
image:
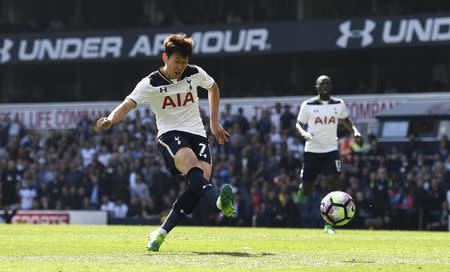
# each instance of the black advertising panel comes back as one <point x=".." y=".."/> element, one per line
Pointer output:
<point x="273" y="38"/>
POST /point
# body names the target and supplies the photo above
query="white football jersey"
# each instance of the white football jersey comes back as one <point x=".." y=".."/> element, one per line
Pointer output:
<point x="175" y="104"/>
<point x="322" y="119"/>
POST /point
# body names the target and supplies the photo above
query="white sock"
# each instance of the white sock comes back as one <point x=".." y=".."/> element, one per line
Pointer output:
<point x="162" y="231"/>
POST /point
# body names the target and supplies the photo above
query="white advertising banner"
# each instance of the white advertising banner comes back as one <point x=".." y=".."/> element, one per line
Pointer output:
<point x="60" y="217"/>
<point x="53" y="115"/>
<point x="362" y="109"/>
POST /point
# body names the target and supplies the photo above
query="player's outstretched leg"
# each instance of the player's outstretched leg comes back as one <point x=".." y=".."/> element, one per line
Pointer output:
<point x="204" y="188"/>
<point x="225" y="201"/>
<point x="183" y="206"/>
<point x="304" y="190"/>
<point x="156" y="239"/>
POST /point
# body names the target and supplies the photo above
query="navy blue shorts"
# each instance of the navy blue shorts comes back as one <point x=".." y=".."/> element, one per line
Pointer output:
<point x="170" y="142"/>
<point x="320" y="163"/>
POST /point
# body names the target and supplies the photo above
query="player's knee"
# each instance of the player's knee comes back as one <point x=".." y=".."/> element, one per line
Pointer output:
<point x="197" y="182"/>
<point x="332" y="184"/>
<point x="185" y="160"/>
<point x="331" y="178"/>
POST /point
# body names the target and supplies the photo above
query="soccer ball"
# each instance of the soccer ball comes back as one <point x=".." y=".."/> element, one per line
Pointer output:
<point x="337" y="208"/>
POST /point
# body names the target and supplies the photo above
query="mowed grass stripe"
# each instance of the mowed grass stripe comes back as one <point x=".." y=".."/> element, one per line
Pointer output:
<point x="122" y="248"/>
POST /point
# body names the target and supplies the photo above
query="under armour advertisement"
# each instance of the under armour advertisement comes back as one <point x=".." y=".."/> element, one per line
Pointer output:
<point x="413" y="31"/>
<point x="285" y="37"/>
<point x="130" y="45"/>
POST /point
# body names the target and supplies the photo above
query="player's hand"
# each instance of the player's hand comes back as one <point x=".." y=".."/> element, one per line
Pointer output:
<point x="307" y="136"/>
<point x="219" y="133"/>
<point x="104" y="123"/>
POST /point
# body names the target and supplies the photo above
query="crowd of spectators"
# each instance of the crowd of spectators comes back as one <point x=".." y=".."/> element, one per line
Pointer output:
<point x="82" y="15"/>
<point x="121" y="171"/>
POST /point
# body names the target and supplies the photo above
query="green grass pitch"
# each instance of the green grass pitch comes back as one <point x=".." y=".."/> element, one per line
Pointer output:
<point x="122" y="248"/>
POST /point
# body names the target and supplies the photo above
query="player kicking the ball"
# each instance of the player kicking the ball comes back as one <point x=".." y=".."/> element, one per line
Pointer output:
<point x="321" y="114"/>
<point x="171" y="92"/>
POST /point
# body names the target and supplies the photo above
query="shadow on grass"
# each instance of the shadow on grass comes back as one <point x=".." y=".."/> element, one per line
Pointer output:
<point x="219" y="253"/>
<point x="235" y="254"/>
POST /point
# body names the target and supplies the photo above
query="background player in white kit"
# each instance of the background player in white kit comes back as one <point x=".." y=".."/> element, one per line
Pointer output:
<point x="171" y="92"/>
<point x="317" y="122"/>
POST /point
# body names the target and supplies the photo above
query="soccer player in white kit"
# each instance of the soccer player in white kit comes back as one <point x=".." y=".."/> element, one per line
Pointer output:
<point x="317" y="122"/>
<point x="171" y="92"/>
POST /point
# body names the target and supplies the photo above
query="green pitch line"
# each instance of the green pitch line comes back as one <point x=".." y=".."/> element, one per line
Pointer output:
<point x="122" y="248"/>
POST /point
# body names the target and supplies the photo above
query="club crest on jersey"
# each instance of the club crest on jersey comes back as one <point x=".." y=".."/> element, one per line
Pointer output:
<point x="325" y="120"/>
<point x="189" y="82"/>
<point x="177" y="100"/>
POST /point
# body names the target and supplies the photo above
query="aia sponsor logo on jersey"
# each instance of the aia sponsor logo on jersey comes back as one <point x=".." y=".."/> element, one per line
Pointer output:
<point x="325" y="120"/>
<point x="180" y="99"/>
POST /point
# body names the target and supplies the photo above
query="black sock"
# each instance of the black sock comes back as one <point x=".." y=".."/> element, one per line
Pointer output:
<point x="201" y="186"/>
<point x="183" y="206"/>
<point x="172" y="220"/>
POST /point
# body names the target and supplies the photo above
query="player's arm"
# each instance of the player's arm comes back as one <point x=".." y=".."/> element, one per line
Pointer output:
<point x="348" y="124"/>
<point x="117" y="115"/>
<point x="305" y="134"/>
<point x="302" y="119"/>
<point x="217" y="130"/>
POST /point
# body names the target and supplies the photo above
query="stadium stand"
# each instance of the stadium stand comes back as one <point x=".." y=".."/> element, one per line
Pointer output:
<point x="121" y="172"/>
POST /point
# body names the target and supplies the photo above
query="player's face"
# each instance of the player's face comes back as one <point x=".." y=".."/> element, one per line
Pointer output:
<point x="324" y="87"/>
<point x="175" y="65"/>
